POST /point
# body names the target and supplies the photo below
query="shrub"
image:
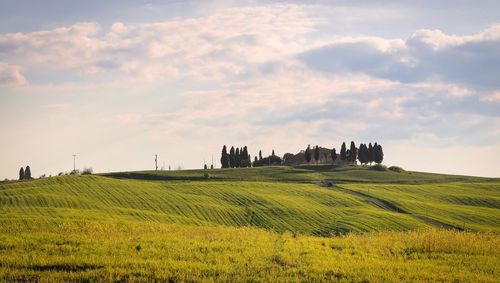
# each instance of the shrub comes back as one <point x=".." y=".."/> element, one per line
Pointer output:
<point x="75" y="172"/>
<point x="206" y="176"/>
<point x="87" y="171"/>
<point x="396" y="169"/>
<point x="378" y="167"/>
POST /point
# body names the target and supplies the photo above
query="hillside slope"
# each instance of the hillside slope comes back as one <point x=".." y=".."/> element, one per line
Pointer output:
<point x="300" y="208"/>
<point x="296" y="207"/>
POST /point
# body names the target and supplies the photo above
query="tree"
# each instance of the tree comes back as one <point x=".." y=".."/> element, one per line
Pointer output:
<point x="353" y="152"/>
<point x="237" y="158"/>
<point x="272" y="153"/>
<point x="362" y="153"/>
<point x="369" y="154"/>
<point x="379" y="154"/>
<point x="334" y="154"/>
<point x="316" y="153"/>
<point x="231" y="157"/>
<point x="343" y="152"/>
<point x="373" y="153"/>
<point x="307" y="154"/>
<point x="211" y="167"/>
<point x="224" y="159"/>
<point x="260" y="154"/>
<point x="205" y="167"/>
<point x="27" y="173"/>
<point x="21" y="173"/>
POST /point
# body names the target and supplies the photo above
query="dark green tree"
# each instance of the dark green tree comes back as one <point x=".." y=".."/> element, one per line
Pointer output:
<point x="205" y="167"/>
<point x="224" y="159"/>
<point x="21" y="173"/>
<point x="260" y="154"/>
<point x="232" y="157"/>
<point x="237" y="158"/>
<point x="307" y="154"/>
<point x="316" y="153"/>
<point x="379" y="154"/>
<point x="362" y="153"/>
<point x="343" y="152"/>
<point x="27" y="173"/>
<point x="353" y="152"/>
<point x="334" y="155"/>
<point x="369" y="154"/>
<point x="272" y="154"/>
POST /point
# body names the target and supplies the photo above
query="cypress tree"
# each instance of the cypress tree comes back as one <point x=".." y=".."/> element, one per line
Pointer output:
<point x="205" y="167"/>
<point x="272" y="154"/>
<point x="362" y="153"/>
<point x="224" y="159"/>
<point x="231" y="157"/>
<point x="353" y="152"/>
<point x="316" y="153"/>
<point x="369" y="154"/>
<point x="334" y="155"/>
<point x="374" y="152"/>
<point x="21" y="173"/>
<point x="260" y="154"/>
<point x="307" y="154"/>
<point x="27" y="173"/>
<point x="237" y="158"/>
<point x="343" y="152"/>
<point x="379" y="154"/>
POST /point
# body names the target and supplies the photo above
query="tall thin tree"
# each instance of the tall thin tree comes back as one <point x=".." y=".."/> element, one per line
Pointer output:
<point x="224" y="159"/>
<point x="237" y="158"/>
<point x="316" y="153"/>
<point x="21" y="173"/>
<point x="27" y="173"/>
<point x="334" y="155"/>
<point x="232" y="157"/>
<point x="379" y="154"/>
<point x="343" y="152"/>
<point x="307" y="154"/>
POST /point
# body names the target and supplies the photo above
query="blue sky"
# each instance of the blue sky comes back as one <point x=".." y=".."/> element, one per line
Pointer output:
<point x="120" y="81"/>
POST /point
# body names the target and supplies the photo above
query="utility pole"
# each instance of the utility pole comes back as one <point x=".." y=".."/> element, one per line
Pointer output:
<point x="74" y="162"/>
<point x="156" y="162"/>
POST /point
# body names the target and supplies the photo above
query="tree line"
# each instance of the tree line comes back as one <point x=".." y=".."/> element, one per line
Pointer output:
<point x="236" y="158"/>
<point x="365" y="154"/>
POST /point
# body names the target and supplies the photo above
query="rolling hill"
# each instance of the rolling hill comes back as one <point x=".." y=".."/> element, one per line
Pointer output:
<point x="187" y="225"/>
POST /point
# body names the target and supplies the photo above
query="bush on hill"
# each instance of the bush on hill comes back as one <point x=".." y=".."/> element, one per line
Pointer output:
<point x="396" y="169"/>
<point x="378" y="167"/>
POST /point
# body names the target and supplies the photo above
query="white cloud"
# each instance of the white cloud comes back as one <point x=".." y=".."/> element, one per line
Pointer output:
<point x="11" y="75"/>
<point x="212" y="47"/>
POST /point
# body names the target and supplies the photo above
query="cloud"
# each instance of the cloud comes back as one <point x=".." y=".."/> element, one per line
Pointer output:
<point x="226" y="43"/>
<point x="427" y="56"/>
<point x="11" y="75"/>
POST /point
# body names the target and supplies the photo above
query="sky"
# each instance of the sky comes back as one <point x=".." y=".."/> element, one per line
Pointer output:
<point x="116" y="82"/>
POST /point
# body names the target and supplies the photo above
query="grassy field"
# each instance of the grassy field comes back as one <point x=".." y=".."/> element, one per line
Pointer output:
<point x="92" y="251"/>
<point x="259" y="224"/>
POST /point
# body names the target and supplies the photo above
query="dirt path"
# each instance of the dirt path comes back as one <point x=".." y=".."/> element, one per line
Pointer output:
<point x="389" y="206"/>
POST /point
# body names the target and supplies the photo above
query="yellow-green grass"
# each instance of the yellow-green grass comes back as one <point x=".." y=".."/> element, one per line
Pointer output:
<point x="304" y="174"/>
<point x="299" y="208"/>
<point x="474" y="206"/>
<point x="114" y="251"/>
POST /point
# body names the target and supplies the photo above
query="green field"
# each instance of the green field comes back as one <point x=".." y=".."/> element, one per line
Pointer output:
<point x="252" y="224"/>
